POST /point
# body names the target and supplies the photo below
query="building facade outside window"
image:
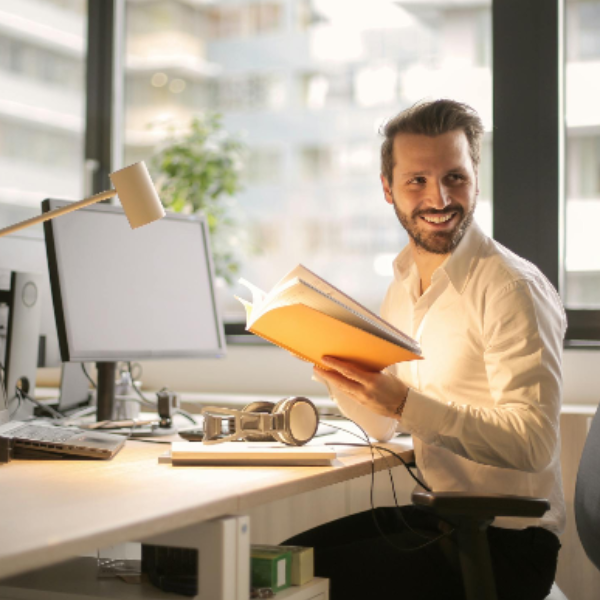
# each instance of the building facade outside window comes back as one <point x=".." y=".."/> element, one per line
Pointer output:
<point x="307" y="84"/>
<point x="42" y="104"/>
<point x="582" y="166"/>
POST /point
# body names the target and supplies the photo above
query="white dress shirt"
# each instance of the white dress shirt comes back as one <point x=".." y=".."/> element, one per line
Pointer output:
<point x="483" y="406"/>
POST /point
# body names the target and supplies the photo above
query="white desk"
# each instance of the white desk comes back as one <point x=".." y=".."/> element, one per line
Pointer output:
<point x="51" y="511"/>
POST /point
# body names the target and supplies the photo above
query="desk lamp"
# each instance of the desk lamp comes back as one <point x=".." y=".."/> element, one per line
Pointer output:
<point x="136" y="192"/>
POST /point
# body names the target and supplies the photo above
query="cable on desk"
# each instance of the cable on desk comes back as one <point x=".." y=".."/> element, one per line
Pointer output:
<point x="3" y="378"/>
<point x="379" y="448"/>
<point x="373" y="447"/>
<point x="146" y="402"/>
<point x="187" y="415"/>
<point x="366" y="437"/>
<point x="18" y="399"/>
<point x="137" y="389"/>
<point x="53" y="413"/>
<point x="85" y="372"/>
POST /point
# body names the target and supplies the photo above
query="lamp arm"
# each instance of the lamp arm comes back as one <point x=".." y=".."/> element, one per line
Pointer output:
<point x="57" y="212"/>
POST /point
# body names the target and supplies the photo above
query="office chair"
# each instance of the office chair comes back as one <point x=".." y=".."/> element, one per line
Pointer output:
<point x="471" y="516"/>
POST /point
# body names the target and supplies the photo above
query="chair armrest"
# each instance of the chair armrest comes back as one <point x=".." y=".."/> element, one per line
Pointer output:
<point x="493" y="505"/>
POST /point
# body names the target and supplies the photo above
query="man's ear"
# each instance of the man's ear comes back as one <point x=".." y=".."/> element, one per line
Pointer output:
<point x="387" y="190"/>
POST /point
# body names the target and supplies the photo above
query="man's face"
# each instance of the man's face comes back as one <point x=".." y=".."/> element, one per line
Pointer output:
<point x="434" y="189"/>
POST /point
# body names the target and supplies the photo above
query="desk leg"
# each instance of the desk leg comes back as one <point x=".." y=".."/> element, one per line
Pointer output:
<point x="223" y="556"/>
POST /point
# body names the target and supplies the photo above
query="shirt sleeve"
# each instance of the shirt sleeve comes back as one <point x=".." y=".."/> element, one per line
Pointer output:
<point x="376" y="426"/>
<point x="523" y="329"/>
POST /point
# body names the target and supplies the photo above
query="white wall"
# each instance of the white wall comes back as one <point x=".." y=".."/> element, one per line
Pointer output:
<point x="269" y="370"/>
<point x="581" y="370"/>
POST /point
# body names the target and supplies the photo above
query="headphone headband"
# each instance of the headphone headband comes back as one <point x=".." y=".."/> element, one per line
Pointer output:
<point x="293" y="421"/>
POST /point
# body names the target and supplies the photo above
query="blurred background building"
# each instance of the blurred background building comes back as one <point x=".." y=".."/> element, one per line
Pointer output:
<point x="307" y="84"/>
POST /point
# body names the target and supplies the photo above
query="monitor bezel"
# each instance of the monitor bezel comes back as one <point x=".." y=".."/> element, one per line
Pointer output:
<point x="57" y="296"/>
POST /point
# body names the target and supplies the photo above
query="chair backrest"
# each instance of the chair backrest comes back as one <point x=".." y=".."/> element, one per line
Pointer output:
<point x="587" y="494"/>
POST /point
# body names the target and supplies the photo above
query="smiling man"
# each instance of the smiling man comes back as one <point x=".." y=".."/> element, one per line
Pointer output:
<point x="483" y="405"/>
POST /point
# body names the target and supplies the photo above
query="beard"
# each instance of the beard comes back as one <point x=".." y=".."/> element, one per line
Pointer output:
<point x="436" y="242"/>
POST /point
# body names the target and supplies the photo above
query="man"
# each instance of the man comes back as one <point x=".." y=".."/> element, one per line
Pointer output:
<point x="483" y="405"/>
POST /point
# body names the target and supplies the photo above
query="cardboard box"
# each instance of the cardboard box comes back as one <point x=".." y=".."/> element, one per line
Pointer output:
<point x="270" y="567"/>
<point x="302" y="558"/>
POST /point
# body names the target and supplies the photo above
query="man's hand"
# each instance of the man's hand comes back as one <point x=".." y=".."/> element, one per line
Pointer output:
<point x="381" y="392"/>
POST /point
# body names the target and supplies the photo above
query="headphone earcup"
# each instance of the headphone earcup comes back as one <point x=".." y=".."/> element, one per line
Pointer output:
<point x="259" y="406"/>
<point x="301" y="420"/>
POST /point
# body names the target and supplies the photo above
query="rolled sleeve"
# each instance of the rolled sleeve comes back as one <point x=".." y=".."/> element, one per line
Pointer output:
<point x="423" y="416"/>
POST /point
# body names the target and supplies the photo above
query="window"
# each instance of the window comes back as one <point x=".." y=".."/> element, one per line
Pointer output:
<point x="582" y="168"/>
<point x="42" y="104"/>
<point x="245" y="19"/>
<point x="308" y="84"/>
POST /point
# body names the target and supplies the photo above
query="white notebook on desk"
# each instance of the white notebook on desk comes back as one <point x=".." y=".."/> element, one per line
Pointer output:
<point x="251" y="453"/>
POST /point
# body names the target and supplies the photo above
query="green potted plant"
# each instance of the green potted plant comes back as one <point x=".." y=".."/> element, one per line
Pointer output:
<point x="199" y="171"/>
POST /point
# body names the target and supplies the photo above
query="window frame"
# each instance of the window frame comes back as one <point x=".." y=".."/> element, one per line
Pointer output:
<point x="529" y="205"/>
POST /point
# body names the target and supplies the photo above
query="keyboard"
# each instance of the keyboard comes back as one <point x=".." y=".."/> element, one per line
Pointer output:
<point x="41" y="433"/>
<point x="29" y="440"/>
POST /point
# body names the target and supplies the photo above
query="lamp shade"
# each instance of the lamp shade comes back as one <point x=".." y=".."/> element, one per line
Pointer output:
<point x="137" y="195"/>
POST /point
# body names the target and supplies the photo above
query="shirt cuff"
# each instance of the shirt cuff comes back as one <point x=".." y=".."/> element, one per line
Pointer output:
<point x="423" y="416"/>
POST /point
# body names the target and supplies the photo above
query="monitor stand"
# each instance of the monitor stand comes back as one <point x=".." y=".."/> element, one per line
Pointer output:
<point x="105" y="391"/>
<point x="106" y="405"/>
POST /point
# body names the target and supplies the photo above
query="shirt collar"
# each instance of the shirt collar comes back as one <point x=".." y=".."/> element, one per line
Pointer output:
<point x="458" y="267"/>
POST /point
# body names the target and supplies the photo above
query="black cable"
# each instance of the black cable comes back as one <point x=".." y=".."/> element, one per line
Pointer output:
<point x="53" y="413"/>
<point x="147" y="402"/>
<point x="383" y="534"/>
<point x="4" y="384"/>
<point x="18" y="399"/>
<point x="85" y="371"/>
<point x="417" y="480"/>
<point x="364" y="445"/>
<point x="186" y="414"/>
<point x="406" y="466"/>
<point x="379" y="448"/>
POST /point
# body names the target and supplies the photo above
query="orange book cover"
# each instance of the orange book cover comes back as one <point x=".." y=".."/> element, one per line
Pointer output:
<point x="311" y="319"/>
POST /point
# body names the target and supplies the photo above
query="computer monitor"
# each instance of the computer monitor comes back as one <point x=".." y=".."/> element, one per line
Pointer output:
<point x="23" y="257"/>
<point x="123" y="295"/>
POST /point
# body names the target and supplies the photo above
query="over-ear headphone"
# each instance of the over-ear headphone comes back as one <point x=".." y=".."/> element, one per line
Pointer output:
<point x="293" y="421"/>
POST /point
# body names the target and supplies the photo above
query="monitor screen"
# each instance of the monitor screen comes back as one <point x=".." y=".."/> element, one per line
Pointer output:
<point x="122" y="294"/>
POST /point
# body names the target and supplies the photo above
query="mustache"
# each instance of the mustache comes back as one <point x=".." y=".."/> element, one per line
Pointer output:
<point x="432" y="211"/>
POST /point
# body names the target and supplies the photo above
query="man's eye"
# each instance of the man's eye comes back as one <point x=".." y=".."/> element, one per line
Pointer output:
<point x="417" y="180"/>
<point x="456" y="177"/>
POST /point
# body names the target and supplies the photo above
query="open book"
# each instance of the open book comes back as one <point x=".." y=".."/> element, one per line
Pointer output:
<point x="310" y="318"/>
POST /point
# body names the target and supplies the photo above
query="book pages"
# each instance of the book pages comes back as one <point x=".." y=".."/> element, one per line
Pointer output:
<point x="248" y="306"/>
<point x="258" y="296"/>
<point x="301" y="272"/>
<point x="311" y="335"/>
<point x="311" y="319"/>
<point x="298" y="291"/>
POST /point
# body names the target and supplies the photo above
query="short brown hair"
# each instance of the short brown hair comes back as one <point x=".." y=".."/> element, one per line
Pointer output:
<point x="432" y="118"/>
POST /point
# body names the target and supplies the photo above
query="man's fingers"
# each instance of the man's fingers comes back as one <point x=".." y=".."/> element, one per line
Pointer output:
<point x="341" y="382"/>
<point x="348" y="369"/>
